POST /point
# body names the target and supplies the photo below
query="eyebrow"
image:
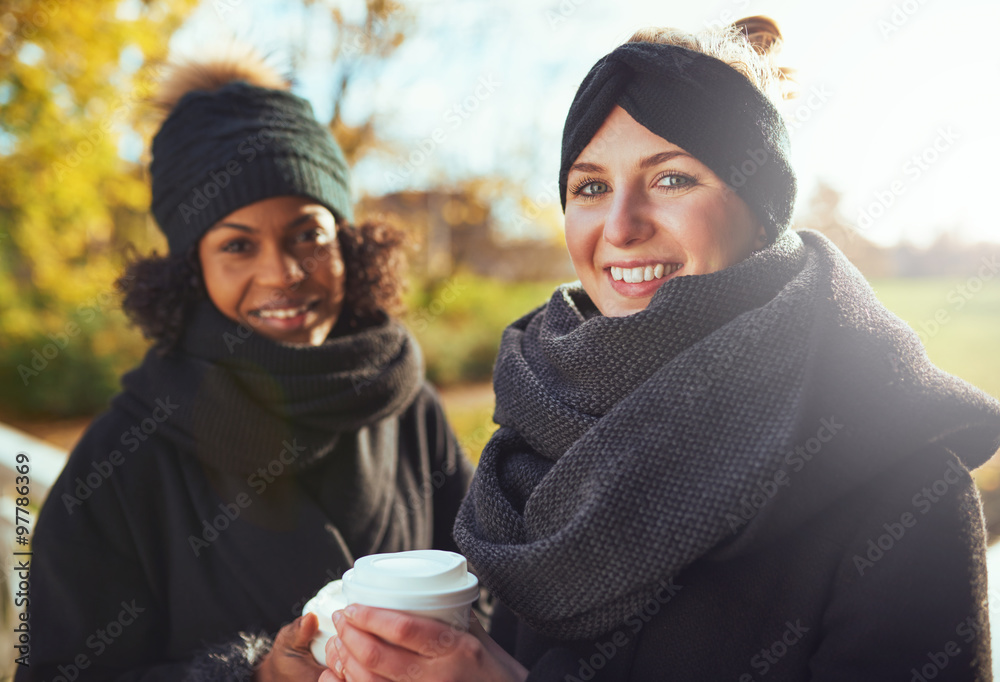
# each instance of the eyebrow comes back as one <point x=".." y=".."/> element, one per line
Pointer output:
<point x="648" y="162"/>
<point x="250" y="230"/>
<point x="662" y="157"/>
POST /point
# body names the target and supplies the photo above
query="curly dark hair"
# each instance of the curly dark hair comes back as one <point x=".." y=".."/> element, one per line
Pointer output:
<point x="161" y="291"/>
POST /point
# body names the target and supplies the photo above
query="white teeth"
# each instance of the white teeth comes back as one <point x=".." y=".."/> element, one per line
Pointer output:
<point x="643" y="273"/>
<point x="282" y="313"/>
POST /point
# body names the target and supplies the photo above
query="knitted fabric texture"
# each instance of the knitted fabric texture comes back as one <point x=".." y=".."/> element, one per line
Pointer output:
<point x="267" y="396"/>
<point x="219" y="151"/>
<point x="700" y="104"/>
<point x="628" y="446"/>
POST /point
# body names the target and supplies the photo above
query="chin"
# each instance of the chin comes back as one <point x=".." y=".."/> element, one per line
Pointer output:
<point x="623" y="308"/>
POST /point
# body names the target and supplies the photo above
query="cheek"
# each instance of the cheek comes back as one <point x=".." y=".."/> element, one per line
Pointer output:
<point x="329" y="269"/>
<point x="721" y="235"/>
<point x="339" y="274"/>
<point x="221" y="284"/>
<point x="581" y="241"/>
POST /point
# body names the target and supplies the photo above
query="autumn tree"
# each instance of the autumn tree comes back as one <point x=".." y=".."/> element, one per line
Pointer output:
<point x="363" y="44"/>
<point x="73" y="80"/>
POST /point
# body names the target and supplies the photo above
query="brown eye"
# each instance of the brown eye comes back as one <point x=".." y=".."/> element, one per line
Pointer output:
<point x="314" y="234"/>
<point x="236" y="246"/>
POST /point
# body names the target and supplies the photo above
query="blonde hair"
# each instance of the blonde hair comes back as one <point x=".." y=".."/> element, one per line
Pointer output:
<point x="748" y="45"/>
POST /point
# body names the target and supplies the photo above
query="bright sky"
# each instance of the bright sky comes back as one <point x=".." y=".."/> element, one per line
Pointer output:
<point x="898" y="106"/>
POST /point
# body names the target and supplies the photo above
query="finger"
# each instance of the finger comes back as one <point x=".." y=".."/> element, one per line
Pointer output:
<point x="403" y="630"/>
<point x="308" y="626"/>
<point x="355" y="672"/>
<point x="333" y="657"/>
<point x="363" y="655"/>
<point x="293" y="643"/>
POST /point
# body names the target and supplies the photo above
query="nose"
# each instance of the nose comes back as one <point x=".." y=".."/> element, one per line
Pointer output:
<point x="628" y="221"/>
<point x="279" y="269"/>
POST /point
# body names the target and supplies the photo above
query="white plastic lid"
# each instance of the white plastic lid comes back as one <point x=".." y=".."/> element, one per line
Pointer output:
<point x="418" y="579"/>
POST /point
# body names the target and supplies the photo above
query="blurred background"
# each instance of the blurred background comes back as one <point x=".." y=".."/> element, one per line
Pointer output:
<point x="450" y="113"/>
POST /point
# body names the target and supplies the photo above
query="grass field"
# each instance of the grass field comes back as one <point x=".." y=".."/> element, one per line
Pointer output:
<point x="958" y="320"/>
<point x="959" y="323"/>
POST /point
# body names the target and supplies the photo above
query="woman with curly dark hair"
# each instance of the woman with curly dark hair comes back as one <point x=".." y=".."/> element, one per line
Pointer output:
<point x="160" y="291"/>
<point x="279" y="427"/>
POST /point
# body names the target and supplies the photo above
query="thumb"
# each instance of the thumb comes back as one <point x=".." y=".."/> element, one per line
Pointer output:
<point x="305" y="628"/>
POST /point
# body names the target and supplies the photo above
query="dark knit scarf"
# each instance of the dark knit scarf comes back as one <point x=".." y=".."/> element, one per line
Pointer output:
<point x="242" y="399"/>
<point x="627" y="445"/>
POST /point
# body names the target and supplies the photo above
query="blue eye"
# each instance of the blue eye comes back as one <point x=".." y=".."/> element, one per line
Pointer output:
<point x="674" y="181"/>
<point x="590" y="188"/>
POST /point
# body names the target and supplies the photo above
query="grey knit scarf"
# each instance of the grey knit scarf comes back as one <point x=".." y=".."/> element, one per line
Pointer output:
<point x="626" y="444"/>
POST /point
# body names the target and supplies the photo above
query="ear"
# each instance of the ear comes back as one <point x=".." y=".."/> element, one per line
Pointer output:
<point x="760" y="239"/>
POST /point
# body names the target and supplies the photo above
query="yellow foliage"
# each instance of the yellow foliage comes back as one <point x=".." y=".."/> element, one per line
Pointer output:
<point x="73" y="79"/>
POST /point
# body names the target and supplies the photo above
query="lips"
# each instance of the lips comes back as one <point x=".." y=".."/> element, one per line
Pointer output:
<point x="641" y="273"/>
<point x="640" y="279"/>
<point x="284" y="315"/>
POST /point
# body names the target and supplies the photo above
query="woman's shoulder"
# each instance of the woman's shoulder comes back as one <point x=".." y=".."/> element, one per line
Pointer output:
<point x="931" y="478"/>
<point x="103" y="483"/>
<point x="916" y="525"/>
<point x="115" y="433"/>
<point x="899" y="520"/>
<point x="930" y="487"/>
<point x="117" y="452"/>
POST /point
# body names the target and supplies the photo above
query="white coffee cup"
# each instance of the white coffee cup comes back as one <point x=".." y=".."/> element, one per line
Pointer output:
<point x="424" y="582"/>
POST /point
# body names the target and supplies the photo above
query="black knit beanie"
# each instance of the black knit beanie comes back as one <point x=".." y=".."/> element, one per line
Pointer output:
<point x="219" y="151"/>
<point x="700" y="104"/>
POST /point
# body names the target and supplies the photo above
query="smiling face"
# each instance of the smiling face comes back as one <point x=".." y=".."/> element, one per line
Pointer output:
<point x="276" y="266"/>
<point x="640" y="211"/>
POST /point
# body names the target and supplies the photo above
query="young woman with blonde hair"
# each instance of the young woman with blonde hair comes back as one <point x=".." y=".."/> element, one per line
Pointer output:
<point x="719" y="456"/>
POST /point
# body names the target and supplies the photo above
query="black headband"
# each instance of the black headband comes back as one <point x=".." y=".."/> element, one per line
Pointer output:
<point x="700" y="104"/>
<point x="219" y="151"/>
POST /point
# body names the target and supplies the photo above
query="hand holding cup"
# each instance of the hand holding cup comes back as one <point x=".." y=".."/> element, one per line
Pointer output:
<point x="430" y="583"/>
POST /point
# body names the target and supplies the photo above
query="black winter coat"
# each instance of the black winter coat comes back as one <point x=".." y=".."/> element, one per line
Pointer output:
<point x="161" y="561"/>
<point x="887" y="584"/>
